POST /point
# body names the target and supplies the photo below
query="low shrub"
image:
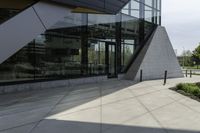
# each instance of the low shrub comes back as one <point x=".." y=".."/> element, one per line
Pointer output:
<point x="189" y="88"/>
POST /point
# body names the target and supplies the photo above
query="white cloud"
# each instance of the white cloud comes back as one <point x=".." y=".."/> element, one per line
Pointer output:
<point x="182" y="20"/>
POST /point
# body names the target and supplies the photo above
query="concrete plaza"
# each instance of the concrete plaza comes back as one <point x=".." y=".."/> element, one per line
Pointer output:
<point x="115" y="106"/>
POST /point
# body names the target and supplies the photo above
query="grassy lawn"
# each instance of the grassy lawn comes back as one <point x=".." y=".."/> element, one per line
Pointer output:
<point x="189" y="89"/>
<point x="192" y="67"/>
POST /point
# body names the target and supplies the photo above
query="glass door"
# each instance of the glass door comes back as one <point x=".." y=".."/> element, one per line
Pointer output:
<point x="111" y="59"/>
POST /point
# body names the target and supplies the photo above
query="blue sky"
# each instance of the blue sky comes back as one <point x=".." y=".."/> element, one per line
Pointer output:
<point x="182" y="21"/>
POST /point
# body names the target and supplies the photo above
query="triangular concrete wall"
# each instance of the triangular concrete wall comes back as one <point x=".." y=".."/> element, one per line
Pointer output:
<point x="156" y="57"/>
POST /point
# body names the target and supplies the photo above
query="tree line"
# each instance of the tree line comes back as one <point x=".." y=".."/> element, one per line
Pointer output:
<point x="190" y="59"/>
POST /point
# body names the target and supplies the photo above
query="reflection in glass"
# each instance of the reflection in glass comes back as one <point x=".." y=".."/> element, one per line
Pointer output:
<point x="129" y="38"/>
<point x="20" y="66"/>
<point x="96" y="57"/>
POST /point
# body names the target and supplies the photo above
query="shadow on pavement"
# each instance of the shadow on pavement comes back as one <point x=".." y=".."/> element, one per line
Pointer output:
<point x="59" y="126"/>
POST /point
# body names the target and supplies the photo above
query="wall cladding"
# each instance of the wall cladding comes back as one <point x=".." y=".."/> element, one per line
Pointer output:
<point x="155" y="58"/>
<point x="50" y="84"/>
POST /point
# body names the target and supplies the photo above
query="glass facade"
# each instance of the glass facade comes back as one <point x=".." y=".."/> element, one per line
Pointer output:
<point x="84" y="45"/>
<point x="150" y="10"/>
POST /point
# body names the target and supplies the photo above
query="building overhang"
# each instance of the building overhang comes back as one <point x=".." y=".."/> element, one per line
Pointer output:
<point x="95" y="6"/>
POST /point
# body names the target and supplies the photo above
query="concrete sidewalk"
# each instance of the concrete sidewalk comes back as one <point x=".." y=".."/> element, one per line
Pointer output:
<point x="115" y="106"/>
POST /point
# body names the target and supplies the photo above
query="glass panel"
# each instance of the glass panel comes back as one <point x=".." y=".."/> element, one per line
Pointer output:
<point x="96" y="58"/>
<point x="159" y="18"/>
<point x="135" y="5"/>
<point x="125" y="11"/>
<point x="148" y="27"/>
<point x="148" y="14"/>
<point x="20" y="66"/>
<point x="149" y="2"/>
<point x="135" y="13"/>
<point x="126" y="6"/>
<point x="61" y="47"/>
<point x="128" y="52"/>
<point x="111" y="60"/>
<point x="159" y="4"/>
<point x="129" y="36"/>
<point x="135" y="9"/>
<point x="61" y="57"/>
<point x="101" y="29"/>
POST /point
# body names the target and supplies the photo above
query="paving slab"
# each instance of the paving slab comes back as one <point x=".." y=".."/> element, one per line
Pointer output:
<point x="86" y="121"/>
<point x="21" y="129"/>
<point x="155" y="100"/>
<point x="120" y="112"/>
<point x="143" y="124"/>
<point x="179" y="117"/>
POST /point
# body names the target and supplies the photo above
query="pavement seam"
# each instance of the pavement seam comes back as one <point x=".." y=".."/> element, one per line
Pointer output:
<point x="189" y="107"/>
<point x="19" y="112"/>
<point x="159" y="123"/>
<point x="19" y="126"/>
<point x="48" y="112"/>
<point x="135" y="117"/>
<point x="148" y="112"/>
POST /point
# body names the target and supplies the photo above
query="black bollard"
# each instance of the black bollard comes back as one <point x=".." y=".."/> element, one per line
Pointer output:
<point x="190" y="73"/>
<point x="165" y="78"/>
<point x="141" y="75"/>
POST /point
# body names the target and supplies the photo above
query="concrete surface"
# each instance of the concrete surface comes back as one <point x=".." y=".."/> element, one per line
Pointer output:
<point x="50" y="84"/>
<point x="115" y="106"/>
<point x="156" y="57"/>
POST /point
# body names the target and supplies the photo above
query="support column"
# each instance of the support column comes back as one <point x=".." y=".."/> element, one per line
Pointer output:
<point x="141" y="22"/>
<point x="84" y="45"/>
<point x="118" y="43"/>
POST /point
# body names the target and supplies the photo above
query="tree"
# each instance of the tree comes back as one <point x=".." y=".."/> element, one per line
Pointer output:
<point x="196" y="55"/>
<point x="187" y="58"/>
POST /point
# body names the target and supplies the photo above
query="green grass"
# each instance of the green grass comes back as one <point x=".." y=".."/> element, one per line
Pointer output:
<point x="189" y="88"/>
<point x="191" y="67"/>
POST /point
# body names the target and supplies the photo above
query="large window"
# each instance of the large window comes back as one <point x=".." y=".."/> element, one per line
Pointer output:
<point x="129" y="39"/>
<point x="20" y="66"/>
<point x="62" y="49"/>
<point x="150" y="10"/>
<point x="96" y="57"/>
<point x="101" y="29"/>
<point x="132" y="9"/>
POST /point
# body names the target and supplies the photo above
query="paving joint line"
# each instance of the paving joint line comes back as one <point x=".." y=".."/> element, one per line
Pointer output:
<point x="164" y="129"/>
<point x="198" y="112"/>
<point x="150" y="112"/>
<point x="48" y="112"/>
<point x="19" y="126"/>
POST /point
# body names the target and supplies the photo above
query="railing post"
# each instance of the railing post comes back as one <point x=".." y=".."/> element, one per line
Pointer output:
<point x="165" y="78"/>
<point x="190" y="73"/>
<point x="141" y="75"/>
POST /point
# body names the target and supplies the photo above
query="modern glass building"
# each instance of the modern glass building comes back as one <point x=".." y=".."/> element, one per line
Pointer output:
<point x="93" y="38"/>
<point x="81" y="44"/>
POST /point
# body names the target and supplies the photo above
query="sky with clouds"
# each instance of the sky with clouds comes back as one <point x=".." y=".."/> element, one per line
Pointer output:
<point x="182" y="21"/>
